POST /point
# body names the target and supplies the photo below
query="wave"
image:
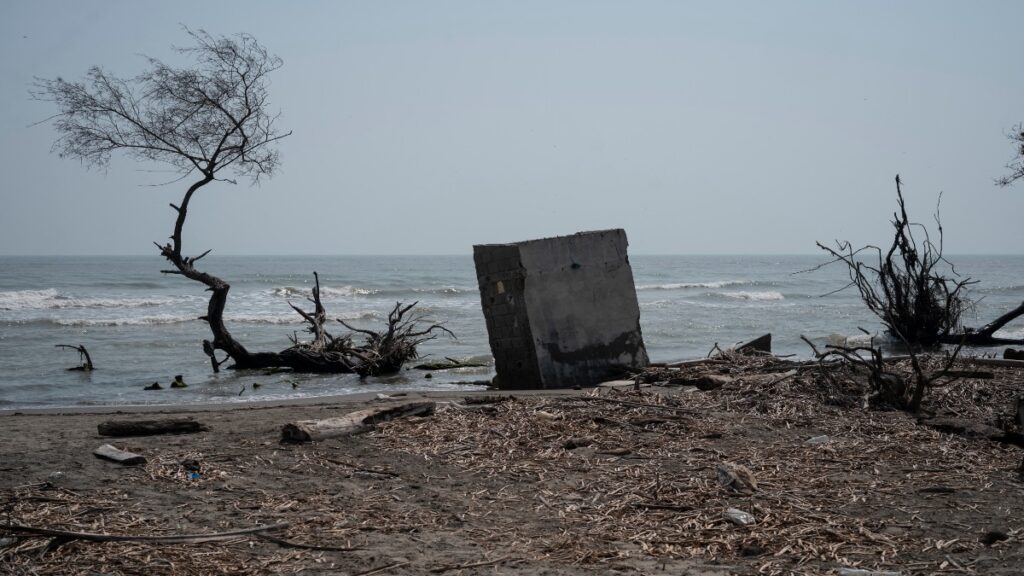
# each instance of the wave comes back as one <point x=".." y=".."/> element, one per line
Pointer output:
<point x="686" y="285"/>
<point x="325" y="291"/>
<point x="764" y="296"/>
<point x="51" y="299"/>
<point x="1014" y="334"/>
<point x="163" y="319"/>
<point x="350" y="291"/>
<point x="446" y="291"/>
<point x="131" y="321"/>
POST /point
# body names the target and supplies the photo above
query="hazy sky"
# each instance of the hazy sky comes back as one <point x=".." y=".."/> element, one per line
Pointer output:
<point x="425" y="127"/>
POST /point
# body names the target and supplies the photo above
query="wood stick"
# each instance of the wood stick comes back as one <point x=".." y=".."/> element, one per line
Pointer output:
<point x="177" y="539"/>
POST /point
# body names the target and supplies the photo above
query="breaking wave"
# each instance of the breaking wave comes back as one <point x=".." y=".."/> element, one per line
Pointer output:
<point x="764" y="296"/>
<point x="686" y="285"/>
<point x="163" y="319"/>
<point x="51" y="299"/>
<point x="325" y="291"/>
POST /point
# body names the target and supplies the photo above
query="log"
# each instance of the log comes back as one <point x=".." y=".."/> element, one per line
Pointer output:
<point x="123" y="457"/>
<point x="761" y="344"/>
<point x="119" y="428"/>
<point x="351" y="423"/>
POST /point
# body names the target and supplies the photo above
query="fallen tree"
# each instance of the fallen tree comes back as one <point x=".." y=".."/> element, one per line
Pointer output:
<point x="907" y="287"/>
<point x="208" y="121"/>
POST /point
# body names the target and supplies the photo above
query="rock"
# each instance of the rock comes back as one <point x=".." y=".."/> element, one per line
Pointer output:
<point x="992" y="536"/>
<point x="178" y="382"/>
<point x="750" y="550"/>
<point x="1011" y="354"/>
<point x="823" y="439"/>
<point x="964" y="427"/>
<point x="574" y="443"/>
<point x="711" y="382"/>
<point x="736" y="478"/>
<point x="55" y="477"/>
<point x="154" y="386"/>
<point x="761" y="344"/>
<point x="739" y="517"/>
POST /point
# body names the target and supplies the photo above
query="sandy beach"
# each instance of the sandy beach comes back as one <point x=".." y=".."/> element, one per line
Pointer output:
<point x="609" y="480"/>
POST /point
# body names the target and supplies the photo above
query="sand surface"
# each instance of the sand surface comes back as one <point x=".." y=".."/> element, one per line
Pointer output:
<point x="492" y="484"/>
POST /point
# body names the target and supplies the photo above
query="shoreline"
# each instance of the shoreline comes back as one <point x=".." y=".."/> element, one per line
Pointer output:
<point x="310" y="402"/>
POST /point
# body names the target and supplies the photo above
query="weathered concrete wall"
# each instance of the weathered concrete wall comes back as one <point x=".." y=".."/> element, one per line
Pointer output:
<point x="560" y="311"/>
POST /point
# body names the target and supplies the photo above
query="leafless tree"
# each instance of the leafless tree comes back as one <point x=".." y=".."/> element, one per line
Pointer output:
<point x="907" y="286"/>
<point x="211" y="121"/>
<point x="1016" y="165"/>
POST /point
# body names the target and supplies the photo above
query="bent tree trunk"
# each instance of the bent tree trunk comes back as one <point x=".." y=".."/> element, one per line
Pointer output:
<point x="984" y="335"/>
<point x="384" y="352"/>
<point x="306" y="359"/>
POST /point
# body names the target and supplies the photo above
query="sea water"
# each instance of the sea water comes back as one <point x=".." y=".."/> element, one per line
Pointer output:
<point x="141" y="326"/>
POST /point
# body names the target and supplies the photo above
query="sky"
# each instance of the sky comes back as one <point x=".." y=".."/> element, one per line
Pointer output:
<point x="426" y="127"/>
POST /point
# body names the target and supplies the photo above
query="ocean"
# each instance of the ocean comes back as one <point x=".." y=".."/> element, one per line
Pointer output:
<point x="141" y="326"/>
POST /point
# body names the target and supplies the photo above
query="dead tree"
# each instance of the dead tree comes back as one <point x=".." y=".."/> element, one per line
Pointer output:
<point x="907" y="287"/>
<point x="889" y="387"/>
<point x="386" y="351"/>
<point x="1016" y="165"/>
<point x="83" y="357"/>
<point x="207" y="122"/>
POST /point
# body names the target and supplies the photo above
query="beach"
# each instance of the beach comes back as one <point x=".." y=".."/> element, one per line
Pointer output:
<point x="605" y="480"/>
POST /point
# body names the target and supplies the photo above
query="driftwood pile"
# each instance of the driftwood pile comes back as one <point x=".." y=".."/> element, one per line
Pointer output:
<point x="780" y="468"/>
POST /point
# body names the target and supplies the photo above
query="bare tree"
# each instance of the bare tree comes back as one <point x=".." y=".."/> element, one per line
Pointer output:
<point x="907" y="287"/>
<point x="211" y="122"/>
<point x="1016" y="165"/>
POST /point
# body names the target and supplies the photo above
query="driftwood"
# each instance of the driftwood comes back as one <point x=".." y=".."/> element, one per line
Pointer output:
<point x="83" y="355"/>
<point x="123" y="457"/>
<point x="149" y="427"/>
<point x="448" y="364"/>
<point x="907" y="288"/>
<point x="67" y="536"/>
<point x="351" y="423"/>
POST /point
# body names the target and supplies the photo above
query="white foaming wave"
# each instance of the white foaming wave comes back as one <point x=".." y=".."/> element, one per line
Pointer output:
<point x="325" y="291"/>
<point x="133" y="321"/>
<point x="764" y="296"/>
<point x="51" y="299"/>
<point x="346" y="291"/>
<point x="447" y="290"/>
<point x="686" y="285"/>
<point x="163" y="319"/>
